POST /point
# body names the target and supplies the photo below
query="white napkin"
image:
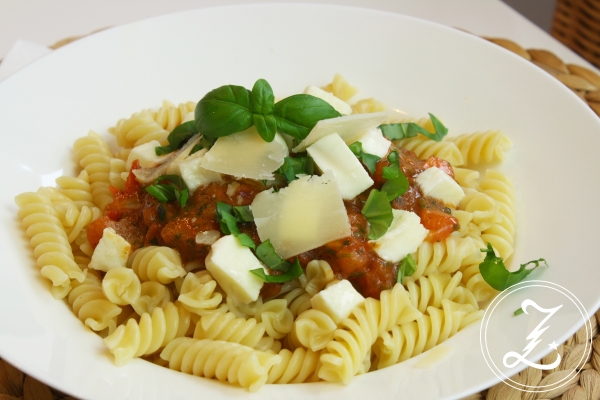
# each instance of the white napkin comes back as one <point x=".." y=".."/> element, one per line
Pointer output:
<point x="20" y="54"/>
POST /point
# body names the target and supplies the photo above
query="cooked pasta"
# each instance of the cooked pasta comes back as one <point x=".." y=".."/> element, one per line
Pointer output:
<point x="156" y="263"/>
<point x="231" y="362"/>
<point x="153" y="332"/>
<point x="157" y="297"/>
<point x="482" y="147"/>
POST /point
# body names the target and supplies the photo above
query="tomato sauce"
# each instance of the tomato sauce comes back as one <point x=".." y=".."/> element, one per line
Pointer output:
<point x="142" y="220"/>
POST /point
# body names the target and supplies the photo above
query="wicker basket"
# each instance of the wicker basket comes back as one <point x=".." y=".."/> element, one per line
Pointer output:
<point x="577" y="25"/>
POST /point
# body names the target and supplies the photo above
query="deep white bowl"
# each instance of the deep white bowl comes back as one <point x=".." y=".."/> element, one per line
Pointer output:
<point x="410" y="64"/>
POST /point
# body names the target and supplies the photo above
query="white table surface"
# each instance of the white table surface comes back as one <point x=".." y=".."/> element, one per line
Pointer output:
<point x="47" y="22"/>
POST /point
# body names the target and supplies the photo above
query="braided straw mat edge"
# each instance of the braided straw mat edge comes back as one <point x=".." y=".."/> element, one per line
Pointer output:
<point x="15" y="385"/>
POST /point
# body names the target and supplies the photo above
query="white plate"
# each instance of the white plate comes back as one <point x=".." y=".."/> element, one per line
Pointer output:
<point x="407" y="63"/>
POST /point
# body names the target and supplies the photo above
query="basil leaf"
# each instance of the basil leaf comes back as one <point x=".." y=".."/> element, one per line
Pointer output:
<point x="224" y="111"/>
<point x="410" y="129"/>
<point x="518" y="311"/>
<point x="394" y="188"/>
<point x="298" y="114"/>
<point x="378" y="211"/>
<point x="243" y="213"/>
<point x="292" y="167"/>
<point x="369" y="160"/>
<point x="174" y="189"/>
<point x="177" y="138"/>
<point x="407" y="268"/>
<point x="497" y="276"/>
<point x="294" y="272"/>
<point x="266" y="125"/>
<point x="265" y="252"/>
<point x="246" y="240"/>
<point x="262" y="99"/>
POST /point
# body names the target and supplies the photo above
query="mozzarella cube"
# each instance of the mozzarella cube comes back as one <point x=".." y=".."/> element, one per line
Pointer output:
<point x="146" y="154"/>
<point x="332" y="154"/>
<point x="193" y="174"/>
<point x="436" y="183"/>
<point x="230" y="264"/>
<point x="403" y="237"/>
<point x="306" y="214"/>
<point x="340" y="105"/>
<point x="373" y="142"/>
<point x="337" y="300"/>
<point x="111" y="252"/>
<point x="246" y="155"/>
<point x="349" y="127"/>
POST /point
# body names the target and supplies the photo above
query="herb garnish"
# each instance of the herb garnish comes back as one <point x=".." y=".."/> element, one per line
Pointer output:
<point x="518" y="311"/>
<point x="410" y="129"/>
<point x="497" y="276"/>
<point x="378" y="211"/>
<point x="407" y="268"/>
<point x="294" y="166"/>
<point x="396" y="183"/>
<point x="169" y="188"/>
<point x="369" y="160"/>
<point x="228" y="224"/>
<point x="230" y="109"/>
<point x="177" y="138"/>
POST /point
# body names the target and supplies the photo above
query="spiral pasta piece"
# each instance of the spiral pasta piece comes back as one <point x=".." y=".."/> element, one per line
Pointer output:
<point x="482" y="147"/>
<point x="466" y="178"/>
<point x="91" y="306"/>
<point x="445" y="256"/>
<point x="156" y="263"/>
<point x="198" y="293"/>
<point x="312" y="329"/>
<point x="298" y="366"/>
<point x="49" y="240"/>
<point x="140" y="128"/>
<point x="318" y="274"/>
<point x="117" y="168"/>
<point x="121" y="286"/>
<point x="411" y="339"/>
<point x="152" y="332"/>
<point x="169" y="116"/>
<point x="424" y="148"/>
<point x="94" y="157"/>
<point x="298" y="300"/>
<point x="227" y="362"/>
<point x="340" y="88"/>
<point x="432" y="289"/>
<point x="152" y="295"/>
<point x="369" y="105"/>
<point x="276" y="317"/>
<point x="229" y="328"/>
<point x="484" y="208"/>
<point x="77" y="189"/>
<point x="501" y="235"/>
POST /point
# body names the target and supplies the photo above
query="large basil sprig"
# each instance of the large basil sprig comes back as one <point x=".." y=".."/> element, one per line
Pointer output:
<point x="230" y="109"/>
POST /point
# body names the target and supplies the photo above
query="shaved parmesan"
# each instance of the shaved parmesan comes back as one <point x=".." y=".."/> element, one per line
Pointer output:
<point x="349" y="127"/>
<point x="340" y="106"/>
<point x="246" y="155"/>
<point x="305" y="215"/>
<point x="332" y="154"/>
<point x="193" y="174"/>
<point x="146" y="155"/>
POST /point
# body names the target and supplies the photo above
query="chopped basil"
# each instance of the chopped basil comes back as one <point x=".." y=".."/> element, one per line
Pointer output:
<point x="518" y="312"/>
<point x="378" y="211"/>
<point x="396" y="183"/>
<point x="497" y="276"/>
<point x="169" y="188"/>
<point x="410" y="129"/>
<point x="228" y="224"/>
<point x="294" y="166"/>
<point x="292" y="273"/>
<point x="369" y="160"/>
<point x="243" y="213"/>
<point x="266" y="253"/>
<point x="407" y="268"/>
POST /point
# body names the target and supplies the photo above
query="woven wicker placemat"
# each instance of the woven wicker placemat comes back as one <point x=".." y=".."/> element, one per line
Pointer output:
<point x="584" y="385"/>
